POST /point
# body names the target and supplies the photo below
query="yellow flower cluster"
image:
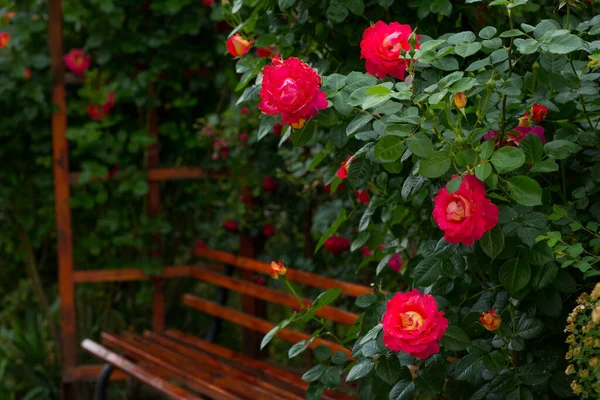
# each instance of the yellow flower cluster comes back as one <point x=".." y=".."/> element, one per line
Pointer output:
<point x="583" y="324"/>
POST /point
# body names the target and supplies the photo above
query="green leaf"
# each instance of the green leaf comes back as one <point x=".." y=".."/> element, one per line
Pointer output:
<point x="403" y="390"/>
<point x="315" y="391"/>
<point x="533" y="149"/>
<point x="455" y="339"/>
<point x="360" y="369"/>
<point x="427" y="272"/>
<point x="494" y="361"/>
<point x="332" y="376"/>
<point x="533" y="374"/>
<point x="564" y="44"/>
<point x="339" y="358"/>
<point x="356" y="7"/>
<point x="547" y="165"/>
<point x="303" y="136"/>
<point x="492" y="242"/>
<point x="488" y="32"/>
<point x="511" y="33"/>
<point x="285" y="4"/>
<point x="454" y="184"/>
<point x="503" y="383"/>
<point x="337" y="12"/>
<point x="436" y="165"/>
<point x="297" y="348"/>
<point x="389" y="149"/>
<point x="508" y="158"/>
<point x="271" y="334"/>
<point x="549" y="302"/>
<point x="322" y="353"/>
<point x="467" y="367"/>
<point x="462" y="37"/>
<point x="515" y="274"/>
<point x="332" y="229"/>
<point x="561" y="149"/>
<point x="328" y="117"/>
<point x="327" y="297"/>
<point x="466" y="49"/>
<point x="388" y="368"/>
<point x="525" y="191"/>
<point x="420" y="145"/>
<point x="486" y="149"/>
<point x="314" y="373"/>
<point x="520" y="393"/>
<point x="365" y="300"/>
<point x="358" y="122"/>
<point x="483" y="170"/>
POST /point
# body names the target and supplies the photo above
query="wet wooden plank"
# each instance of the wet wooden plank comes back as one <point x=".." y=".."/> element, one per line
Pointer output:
<point x="260" y="368"/>
<point x="257" y="324"/>
<point x="128" y="274"/>
<point x="264" y="293"/>
<point x="60" y="157"/>
<point x="163" y="386"/>
<point x="208" y="381"/>
<point x="208" y="360"/>
<point x="350" y="289"/>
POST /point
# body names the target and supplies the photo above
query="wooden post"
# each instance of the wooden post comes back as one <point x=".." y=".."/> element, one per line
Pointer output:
<point x="152" y="161"/>
<point x="60" y="157"/>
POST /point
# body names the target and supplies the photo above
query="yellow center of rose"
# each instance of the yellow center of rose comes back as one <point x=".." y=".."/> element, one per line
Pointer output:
<point x="412" y="321"/>
<point x="78" y="60"/>
<point x="458" y="209"/>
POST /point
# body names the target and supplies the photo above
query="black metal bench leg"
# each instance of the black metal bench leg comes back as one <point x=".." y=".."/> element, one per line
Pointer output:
<point x="100" y="393"/>
<point x="222" y="295"/>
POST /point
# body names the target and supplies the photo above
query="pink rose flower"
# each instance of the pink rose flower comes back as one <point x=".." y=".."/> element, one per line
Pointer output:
<point x="269" y="184"/>
<point x="238" y="46"/>
<point x="268" y="230"/>
<point x="339" y="188"/>
<point x="266" y="52"/>
<point x="381" y="47"/>
<point x="413" y="324"/>
<point x="336" y="244"/>
<point x="396" y="262"/>
<point x="362" y="196"/>
<point x="231" y="225"/>
<point x="291" y="88"/>
<point x="342" y="173"/>
<point x="516" y="135"/>
<point x="98" y="112"/>
<point x="77" y="61"/>
<point x="367" y="253"/>
<point x="466" y="214"/>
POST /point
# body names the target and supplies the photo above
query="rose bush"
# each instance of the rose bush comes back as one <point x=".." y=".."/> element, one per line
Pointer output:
<point x="477" y="136"/>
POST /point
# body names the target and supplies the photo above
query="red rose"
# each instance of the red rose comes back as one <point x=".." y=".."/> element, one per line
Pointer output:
<point x="265" y="52"/>
<point x="539" y="113"/>
<point x="244" y="110"/>
<point x="200" y="244"/>
<point x="259" y="280"/>
<point x="466" y="214"/>
<point x="367" y="253"/>
<point x="99" y="112"/>
<point x="413" y="324"/>
<point x="381" y="47"/>
<point x="343" y="171"/>
<point x="291" y="88"/>
<point x="77" y="61"/>
<point x="490" y="320"/>
<point x="277" y="129"/>
<point x="396" y="262"/>
<point x="336" y="244"/>
<point x="269" y="184"/>
<point x="208" y="2"/>
<point x="231" y="225"/>
<point x="238" y="46"/>
<point x="268" y="230"/>
<point x="27" y="74"/>
<point x="243" y="138"/>
<point x="362" y="196"/>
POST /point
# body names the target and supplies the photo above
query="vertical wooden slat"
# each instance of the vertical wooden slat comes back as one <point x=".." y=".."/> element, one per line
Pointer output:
<point x="62" y="190"/>
<point x="152" y="161"/>
<point x="251" y="305"/>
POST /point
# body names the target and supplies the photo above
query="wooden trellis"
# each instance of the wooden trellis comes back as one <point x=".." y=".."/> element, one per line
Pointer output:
<point x="68" y="276"/>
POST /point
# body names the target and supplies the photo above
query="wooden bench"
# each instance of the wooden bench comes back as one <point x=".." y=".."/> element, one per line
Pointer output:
<point x="183" y="366"/>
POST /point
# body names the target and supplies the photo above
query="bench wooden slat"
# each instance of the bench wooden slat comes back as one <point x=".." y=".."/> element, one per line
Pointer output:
<point x="260" y="368"/>
<point x="256" y="324"/>
<point x="185" y="373"/>
<point x="264" y="293"/>
<point x="350" y="289"/>
<point x="206" y="359"/>
<point x="163" y="386"/>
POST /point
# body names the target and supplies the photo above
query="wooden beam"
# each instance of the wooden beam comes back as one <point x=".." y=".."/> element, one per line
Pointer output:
<point x="350" y="289"/>
<point x="128" y="274"/>
<point x="163" y="386"/>
<point x="164" y="174"/>
<point x="264" y="293"/>
<point x="257" y="324"/>
<point x="60" y="156"/>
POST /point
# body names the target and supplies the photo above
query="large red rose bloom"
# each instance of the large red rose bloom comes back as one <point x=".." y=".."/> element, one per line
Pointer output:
<point x="413" y="324"/>
<point x="291" y="88"/>
<point x="466" y="214"/>
<point x="381" y="47"/>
